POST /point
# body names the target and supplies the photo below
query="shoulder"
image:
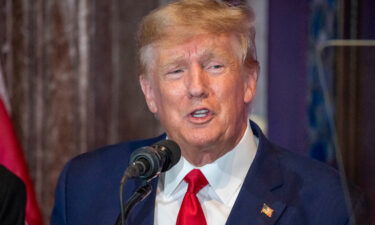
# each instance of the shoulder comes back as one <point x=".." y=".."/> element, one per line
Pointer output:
<point x="93" y="179"/>
<point x="312" y="190"/>
<point x="111" y="157"/>
<point x="310" y="169"/>
<point x="293" y="165"/>
<point x="315" y="189"/>
<point x="101" y="166"/>
<point x="309" y="174"/>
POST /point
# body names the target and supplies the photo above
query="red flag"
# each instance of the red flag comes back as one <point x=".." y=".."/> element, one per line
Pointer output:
<point x="11" y="157"/>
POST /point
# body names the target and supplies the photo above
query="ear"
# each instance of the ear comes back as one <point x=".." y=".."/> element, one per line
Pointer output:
<point x="148" y="92"/>
<point x="250" y="85"/>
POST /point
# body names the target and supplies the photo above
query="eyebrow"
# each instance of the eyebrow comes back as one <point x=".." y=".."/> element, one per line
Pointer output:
<point x="206" y="55"/>
<point x="180" y="60"/>
<point x="213" y="53"/>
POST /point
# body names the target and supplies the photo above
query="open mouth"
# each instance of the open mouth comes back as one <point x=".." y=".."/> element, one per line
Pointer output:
<point x="200" y="113"/>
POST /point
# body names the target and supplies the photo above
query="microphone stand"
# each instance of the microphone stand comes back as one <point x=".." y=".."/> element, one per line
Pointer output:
<point x="141" y="193"/>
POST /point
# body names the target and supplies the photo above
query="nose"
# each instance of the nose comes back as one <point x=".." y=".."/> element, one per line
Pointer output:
<point x="197" y="82"/>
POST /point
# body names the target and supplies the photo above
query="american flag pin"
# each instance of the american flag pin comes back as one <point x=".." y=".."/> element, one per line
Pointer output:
<point x="266" y="210"/>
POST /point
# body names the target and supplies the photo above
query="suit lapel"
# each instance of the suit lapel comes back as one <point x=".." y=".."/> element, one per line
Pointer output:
<point x="260" y="201"/>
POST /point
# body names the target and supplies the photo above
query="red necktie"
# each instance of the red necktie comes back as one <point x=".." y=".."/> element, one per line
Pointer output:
<point x="191" y="212"/>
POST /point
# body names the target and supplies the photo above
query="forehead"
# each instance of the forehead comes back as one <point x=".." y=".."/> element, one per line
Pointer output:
<point x="203" y="46"/>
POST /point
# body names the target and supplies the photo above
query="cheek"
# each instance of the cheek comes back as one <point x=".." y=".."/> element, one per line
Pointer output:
<point x="230" y="91"/>
<point x="228" y="100"/>
<point x="170" y="96"/>
<point x="232" y="100"/>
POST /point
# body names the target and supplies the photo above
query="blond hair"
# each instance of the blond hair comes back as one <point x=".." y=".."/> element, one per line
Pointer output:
<point x="192" y="17"/>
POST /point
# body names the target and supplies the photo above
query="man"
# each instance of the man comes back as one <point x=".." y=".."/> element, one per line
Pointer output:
<point x="198" y="75"/>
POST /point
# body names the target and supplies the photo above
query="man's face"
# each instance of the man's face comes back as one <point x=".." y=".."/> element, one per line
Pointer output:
<point x="200" y="91"/>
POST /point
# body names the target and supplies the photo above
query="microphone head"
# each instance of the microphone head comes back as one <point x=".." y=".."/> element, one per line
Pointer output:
<point x="157" y="158"/>
<point x="172" y="153"/>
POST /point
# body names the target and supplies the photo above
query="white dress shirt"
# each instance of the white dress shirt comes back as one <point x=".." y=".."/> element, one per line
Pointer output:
<point x="225" y="177"/>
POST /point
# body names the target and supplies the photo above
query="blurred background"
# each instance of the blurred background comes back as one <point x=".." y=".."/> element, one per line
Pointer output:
<point x="69" y="82"/>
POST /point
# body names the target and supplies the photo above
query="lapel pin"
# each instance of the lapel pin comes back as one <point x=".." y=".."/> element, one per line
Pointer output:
<point x="268" y="211"/>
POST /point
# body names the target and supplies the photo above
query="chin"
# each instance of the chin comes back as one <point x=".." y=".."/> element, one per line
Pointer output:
<point x="201" y="141"/>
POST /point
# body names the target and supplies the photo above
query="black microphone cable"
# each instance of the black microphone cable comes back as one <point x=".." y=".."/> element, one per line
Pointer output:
<point x="141" y="193"/>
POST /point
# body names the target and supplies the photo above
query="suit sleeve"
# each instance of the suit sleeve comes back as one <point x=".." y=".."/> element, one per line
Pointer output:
<point x="59" y="212"/>
<point x="12" y="199"/>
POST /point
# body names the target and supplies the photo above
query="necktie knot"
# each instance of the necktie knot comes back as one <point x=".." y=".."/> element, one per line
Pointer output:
<point x="196" y="181"/>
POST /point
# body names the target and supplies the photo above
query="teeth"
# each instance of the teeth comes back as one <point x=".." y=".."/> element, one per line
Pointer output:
<point x="200" y="113"/>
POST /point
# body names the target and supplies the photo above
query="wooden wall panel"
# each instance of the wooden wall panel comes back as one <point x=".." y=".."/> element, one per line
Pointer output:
<point x="137" y="124"/>
<point x="70" y="70"/>
<point x="101" y="73"/>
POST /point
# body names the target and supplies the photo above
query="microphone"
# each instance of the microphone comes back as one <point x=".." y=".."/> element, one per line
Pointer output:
<point x="149" y="161"/>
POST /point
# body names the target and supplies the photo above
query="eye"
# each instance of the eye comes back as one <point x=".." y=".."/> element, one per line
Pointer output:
<point x="215" y="67"/>
<point x="176" y="71"/>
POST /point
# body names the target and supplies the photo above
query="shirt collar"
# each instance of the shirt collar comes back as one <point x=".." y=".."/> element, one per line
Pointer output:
<point x="225" y="175"/>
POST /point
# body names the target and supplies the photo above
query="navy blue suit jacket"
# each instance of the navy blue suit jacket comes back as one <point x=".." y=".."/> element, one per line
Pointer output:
<point x="301" y="191"/>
